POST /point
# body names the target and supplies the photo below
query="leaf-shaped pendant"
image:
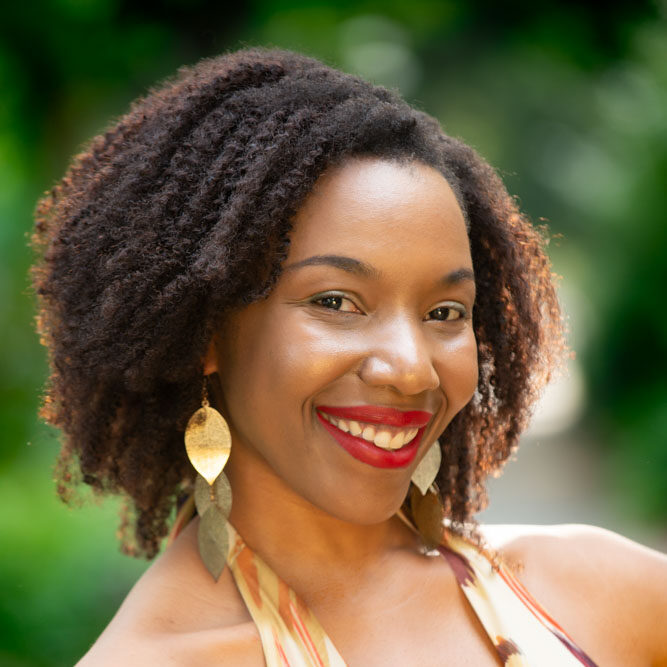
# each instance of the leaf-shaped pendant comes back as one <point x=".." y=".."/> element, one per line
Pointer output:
<point x="428" y="467"/>
<point x="429" y="515"/>
<point x="213" y="541"/>
<point x="208" y="442"/>
<point x="219" y="494"/>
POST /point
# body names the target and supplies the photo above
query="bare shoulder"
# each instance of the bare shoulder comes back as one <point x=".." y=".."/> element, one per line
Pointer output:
<point x="234" y="645"/>
<point x="176" y="615"/>
<point x="586" y="555"/>
<point x="600" y="586"/>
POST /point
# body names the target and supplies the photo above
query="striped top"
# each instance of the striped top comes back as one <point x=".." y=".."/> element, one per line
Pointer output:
<point x="522" y="632"/>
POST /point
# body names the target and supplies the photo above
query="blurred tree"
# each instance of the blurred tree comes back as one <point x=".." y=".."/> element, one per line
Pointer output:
<point x="566" y="99"/>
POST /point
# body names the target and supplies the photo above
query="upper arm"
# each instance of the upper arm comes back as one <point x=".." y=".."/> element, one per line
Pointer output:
<point x="605" y="590"/>
<point x="238" y="645"/>
<point x="176" y="615"/>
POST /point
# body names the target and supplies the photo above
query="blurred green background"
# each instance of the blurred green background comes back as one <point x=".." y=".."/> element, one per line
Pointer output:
<point x="567" y="100"/>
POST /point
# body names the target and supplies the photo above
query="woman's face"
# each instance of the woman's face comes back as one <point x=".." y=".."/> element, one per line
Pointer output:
<point x="346" y="374"/>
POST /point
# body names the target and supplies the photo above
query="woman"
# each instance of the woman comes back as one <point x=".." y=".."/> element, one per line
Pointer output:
<point x="271" y="255"/>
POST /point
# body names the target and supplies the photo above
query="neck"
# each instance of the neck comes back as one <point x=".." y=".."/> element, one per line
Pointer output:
<point x="298" y="540"/>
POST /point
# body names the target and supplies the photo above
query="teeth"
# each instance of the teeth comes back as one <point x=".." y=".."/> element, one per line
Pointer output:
<point x="343" y="425"/>
<point x="368" y="433"/>
<point x="398" y="440"/>
<point x="384" y="437"/>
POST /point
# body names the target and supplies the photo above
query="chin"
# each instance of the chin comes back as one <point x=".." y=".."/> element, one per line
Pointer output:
<point x="367" y="509"/>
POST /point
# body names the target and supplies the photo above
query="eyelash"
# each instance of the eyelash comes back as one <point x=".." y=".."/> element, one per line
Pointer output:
<point x="318" y="300"/>
<point x="322" y="297"/>
<point x="453" y="309"/>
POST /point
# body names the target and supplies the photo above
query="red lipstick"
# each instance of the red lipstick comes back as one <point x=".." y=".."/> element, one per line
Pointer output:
<point x="376" y="414"/>
<point x="366" y="451"/>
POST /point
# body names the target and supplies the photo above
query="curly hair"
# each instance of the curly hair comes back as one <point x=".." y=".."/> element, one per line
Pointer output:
<point x="181" y="212"/>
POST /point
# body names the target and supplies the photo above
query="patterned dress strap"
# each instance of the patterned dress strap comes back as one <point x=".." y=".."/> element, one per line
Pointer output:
<point x="521" y="629"/>
<point x="291" y="635"/>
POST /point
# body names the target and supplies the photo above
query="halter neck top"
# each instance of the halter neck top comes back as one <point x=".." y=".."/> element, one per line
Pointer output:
<point x="522" y="632"/>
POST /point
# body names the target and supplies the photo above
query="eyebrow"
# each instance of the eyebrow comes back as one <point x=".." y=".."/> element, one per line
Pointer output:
<point x="358" y="267"/>
<point x="338" y="261"/>
<point x="458" y="276"/>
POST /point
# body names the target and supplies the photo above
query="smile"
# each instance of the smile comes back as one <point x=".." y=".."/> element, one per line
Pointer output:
<point x="386" y="437"/>
<point x="381" y="437"/>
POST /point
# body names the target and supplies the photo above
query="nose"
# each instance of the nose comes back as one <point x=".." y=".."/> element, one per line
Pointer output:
<point x="399" y="357"/>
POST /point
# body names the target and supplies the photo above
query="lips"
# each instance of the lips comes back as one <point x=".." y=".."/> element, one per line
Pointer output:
<point x="376" y="414"/>
<point x="366" y="420"/>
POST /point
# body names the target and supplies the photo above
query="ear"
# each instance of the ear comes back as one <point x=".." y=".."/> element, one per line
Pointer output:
<point x="211" y="359"/>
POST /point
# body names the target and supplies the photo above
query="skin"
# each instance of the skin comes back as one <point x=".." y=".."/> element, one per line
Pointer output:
<point x="393" y="335"/>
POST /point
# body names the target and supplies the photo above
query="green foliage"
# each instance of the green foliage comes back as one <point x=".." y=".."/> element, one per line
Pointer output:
<point x="62" y="575"/>
<point x="568" y="101"/>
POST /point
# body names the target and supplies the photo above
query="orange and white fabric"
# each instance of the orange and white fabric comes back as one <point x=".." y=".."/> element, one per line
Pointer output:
<point x="521" y="630"/>
<point x="291" y="635"/>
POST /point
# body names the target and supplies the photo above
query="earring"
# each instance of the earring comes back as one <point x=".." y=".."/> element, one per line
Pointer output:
<point x="208" y="443"/>
<point x="426" y="506"/>
<point x="428" y="516"/>
<point x="425" y="473"/>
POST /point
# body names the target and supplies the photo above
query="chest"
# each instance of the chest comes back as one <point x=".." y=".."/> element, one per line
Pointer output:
<point x="414" y="616"/>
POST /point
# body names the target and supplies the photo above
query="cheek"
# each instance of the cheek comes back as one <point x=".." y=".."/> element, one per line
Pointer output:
<point x="281" y="364"/>
<point x="458" y="370"/>
<point x="313" y="353"/>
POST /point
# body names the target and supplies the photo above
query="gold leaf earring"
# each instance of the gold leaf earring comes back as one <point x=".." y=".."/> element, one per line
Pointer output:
<point x="428" y="515"/>
<point x="425" y="504"/>
<point x="425" y="473"/>
<point x="208" y="444"/>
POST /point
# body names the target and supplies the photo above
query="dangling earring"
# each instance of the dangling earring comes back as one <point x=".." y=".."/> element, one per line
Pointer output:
<point x="428" y="516"/>
<point x="208" y="443"/>
<point x="427" y="470"/>
<point x="426" y="506"/>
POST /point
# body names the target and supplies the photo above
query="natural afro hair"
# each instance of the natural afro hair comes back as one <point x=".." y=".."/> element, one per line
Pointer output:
<point x="181" y="211"/>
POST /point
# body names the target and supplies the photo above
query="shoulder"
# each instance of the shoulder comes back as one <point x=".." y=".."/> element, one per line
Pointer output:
<point x="233" y="645"/>
<point x="581" y="554"/>
<point x="595" y="582"/>
<point x="176" y="615"/>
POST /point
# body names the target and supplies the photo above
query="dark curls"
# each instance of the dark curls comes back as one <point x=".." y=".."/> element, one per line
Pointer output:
<point x="181" y="212"/>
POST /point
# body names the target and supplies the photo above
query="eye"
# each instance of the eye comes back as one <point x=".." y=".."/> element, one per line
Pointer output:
<point x="336" y="302"/>
<point x="446" y="313"/>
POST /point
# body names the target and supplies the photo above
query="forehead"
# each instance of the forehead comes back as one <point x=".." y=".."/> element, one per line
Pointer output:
<point x="372" y="203"/>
